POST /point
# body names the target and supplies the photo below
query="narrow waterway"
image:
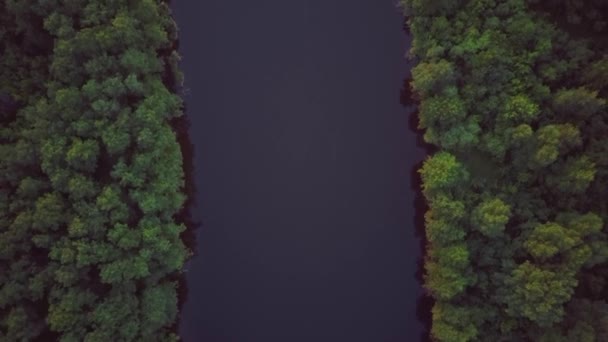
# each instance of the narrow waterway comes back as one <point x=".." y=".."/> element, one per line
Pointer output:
<point x="303" y="159"/>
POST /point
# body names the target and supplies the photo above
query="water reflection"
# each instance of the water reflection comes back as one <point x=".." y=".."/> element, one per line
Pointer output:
<point x="181" y="127"/>
<point x="409" y="101"/>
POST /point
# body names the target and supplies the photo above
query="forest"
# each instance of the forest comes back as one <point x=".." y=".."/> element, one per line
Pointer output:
<point x="512" y="95"/>
<point x="91" y="177"/>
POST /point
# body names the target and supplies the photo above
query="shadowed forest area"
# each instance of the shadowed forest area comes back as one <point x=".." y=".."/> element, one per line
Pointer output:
<point x="513" y="93"/>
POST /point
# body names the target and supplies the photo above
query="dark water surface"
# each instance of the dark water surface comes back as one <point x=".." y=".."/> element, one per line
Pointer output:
<point x="303" y="158"/>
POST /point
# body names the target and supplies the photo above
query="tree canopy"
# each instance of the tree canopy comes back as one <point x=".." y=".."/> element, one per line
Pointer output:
<point x="513" y="94"/>
<point x="91" y="175"/>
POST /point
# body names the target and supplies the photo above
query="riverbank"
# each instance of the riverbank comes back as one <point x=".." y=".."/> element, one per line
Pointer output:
<point x="91" y="173"/>
<point x="516" y="236"/>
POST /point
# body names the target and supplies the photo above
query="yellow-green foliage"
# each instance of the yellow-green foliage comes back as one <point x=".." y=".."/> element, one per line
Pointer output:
<point x="513" y="94"/>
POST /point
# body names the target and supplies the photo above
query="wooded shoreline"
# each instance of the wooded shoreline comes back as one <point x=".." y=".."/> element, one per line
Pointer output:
<point x="93" y="200"/>
<point x="515" y="100"/>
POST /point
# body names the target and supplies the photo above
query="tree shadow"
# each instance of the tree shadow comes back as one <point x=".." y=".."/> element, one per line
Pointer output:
<point x="425" y="302"/>
<point x="180" y="126"/>
<point x="8" y="108"/>
<point x="184" y="216"/>
<point x="409" y="100"/>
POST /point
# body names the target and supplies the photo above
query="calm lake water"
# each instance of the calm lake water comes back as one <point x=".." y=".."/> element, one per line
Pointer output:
<point x="303" y="158"/>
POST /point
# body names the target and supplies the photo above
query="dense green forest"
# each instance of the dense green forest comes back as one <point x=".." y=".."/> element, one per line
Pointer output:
<point x="91" y="174"/>
<point x="513" y="94"/>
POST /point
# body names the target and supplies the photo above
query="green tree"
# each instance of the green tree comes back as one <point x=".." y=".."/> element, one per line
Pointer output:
<point x="442" y="111"/>
<point x="442" y="231"/>
<point x="519" y="109"/>
<point x="549" y="239"/>
<point x="578" y="102"/>
<point x="491" y="216"/>
<point x="432" y="78"/>
<point x="442" y="172"/>
<point x="82" y="155"/>
<point x="454" y="323"/>
<point x="596" y="74"/>
<point x="538" y="294"/>
<point x="159" y="305"/>
<point x="574" y="175"/>
<point x="445" y="282"/>
<point x="553" y="139"/>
